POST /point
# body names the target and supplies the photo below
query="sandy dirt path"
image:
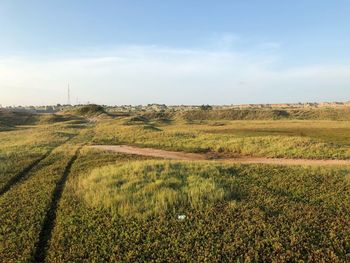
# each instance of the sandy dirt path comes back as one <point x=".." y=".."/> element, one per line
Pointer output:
<point x="152" y="152"/>
<point x="201" y="157"/>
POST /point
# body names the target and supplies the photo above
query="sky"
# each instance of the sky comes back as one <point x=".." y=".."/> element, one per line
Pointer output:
<point x="174" y="52"/>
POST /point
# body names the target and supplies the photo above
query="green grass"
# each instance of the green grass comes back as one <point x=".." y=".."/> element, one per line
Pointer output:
<point x="23" y="208"/>
<point x="87" y="110"/>
<point x="277" y="214"/>
<point x="290" y="139"/>
<point x="324" y="113"/>
<point x="154" y="188"/>
<point x="17" y="118"/>
<point x="20" y="148"/>
<point x="124" y="208"/>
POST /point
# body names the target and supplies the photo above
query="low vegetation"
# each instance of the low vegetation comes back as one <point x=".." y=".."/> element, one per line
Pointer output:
<point x="291" y="139"/>
<point x="26" y="204"/>
<point x="329" y="113"/>
<point x="154" y="188"/>
<point x="276" y="213"/>
<point x="59" y="204"/>
<point x="88" y="110"/>
<point x="10" y="119"/>
<point x="19" y="149"/>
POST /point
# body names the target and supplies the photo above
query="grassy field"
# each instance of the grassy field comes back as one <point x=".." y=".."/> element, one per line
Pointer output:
<point x="257" y="212"/>
<point x="270" y="138"/>
<point x="61" y="201"/>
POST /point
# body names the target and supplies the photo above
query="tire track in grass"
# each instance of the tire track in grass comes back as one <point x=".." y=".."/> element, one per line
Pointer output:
<point x="23" y="174"/>
<point x="50" y="218"/>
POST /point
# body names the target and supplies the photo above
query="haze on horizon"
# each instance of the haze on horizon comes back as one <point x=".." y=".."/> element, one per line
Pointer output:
<point x="179" y="52"/>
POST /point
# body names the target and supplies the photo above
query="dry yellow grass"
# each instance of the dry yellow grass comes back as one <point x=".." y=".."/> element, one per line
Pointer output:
<point x="149" y="188"/>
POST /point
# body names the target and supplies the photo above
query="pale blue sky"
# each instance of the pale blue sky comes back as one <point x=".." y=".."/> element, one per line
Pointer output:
<point x="174" y="52"/>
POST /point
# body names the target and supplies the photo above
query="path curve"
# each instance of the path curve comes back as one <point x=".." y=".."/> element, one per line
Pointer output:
<point x="201" y="157"/>
<point x="152" y="152"/>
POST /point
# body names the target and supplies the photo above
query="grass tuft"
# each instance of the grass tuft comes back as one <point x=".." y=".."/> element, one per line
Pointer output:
<point x="151" y="188"/>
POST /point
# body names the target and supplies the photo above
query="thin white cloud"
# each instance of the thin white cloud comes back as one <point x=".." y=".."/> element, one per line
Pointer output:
<point x="269" y="45"/>
<point x="145" y="74"/>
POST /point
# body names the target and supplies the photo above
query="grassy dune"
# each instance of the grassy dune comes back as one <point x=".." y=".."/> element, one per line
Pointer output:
<point x="324" y="113"/>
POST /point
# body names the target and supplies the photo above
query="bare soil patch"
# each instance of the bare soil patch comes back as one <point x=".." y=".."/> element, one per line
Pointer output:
<point x="173" y="155"/>
<point x="152" y="152"/>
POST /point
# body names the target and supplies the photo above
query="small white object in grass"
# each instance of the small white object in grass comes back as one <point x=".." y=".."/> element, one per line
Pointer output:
<point x="181" y="217"/>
